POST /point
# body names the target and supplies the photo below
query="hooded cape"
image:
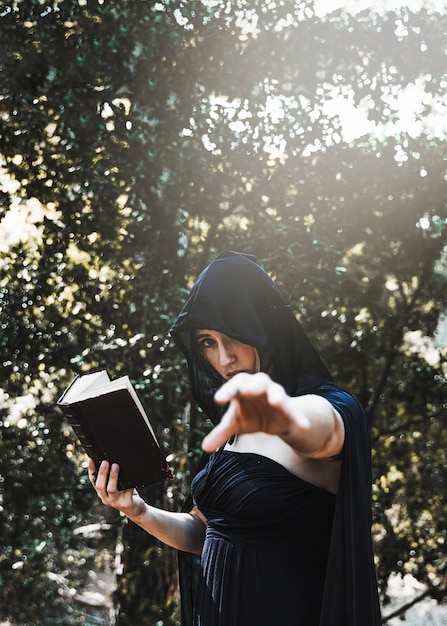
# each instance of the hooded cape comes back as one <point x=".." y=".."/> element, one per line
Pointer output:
<point x="234" y="295"/>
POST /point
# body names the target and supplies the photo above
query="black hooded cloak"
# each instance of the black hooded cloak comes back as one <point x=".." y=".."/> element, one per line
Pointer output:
<point x="236" y="296"/>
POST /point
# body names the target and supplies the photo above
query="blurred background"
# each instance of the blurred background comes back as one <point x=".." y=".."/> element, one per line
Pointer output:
<point x="138" y="140"/>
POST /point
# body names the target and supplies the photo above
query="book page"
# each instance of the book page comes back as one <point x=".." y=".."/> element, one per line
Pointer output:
<point x="102" y="385"/>
<point x="83" y="384"/>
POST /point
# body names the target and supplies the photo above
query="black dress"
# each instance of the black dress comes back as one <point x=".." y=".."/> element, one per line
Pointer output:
<point x="265" y="552"/>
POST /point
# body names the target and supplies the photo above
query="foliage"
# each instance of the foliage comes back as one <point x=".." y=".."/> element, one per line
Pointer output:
<point x="138" y="140"/>
<point x="41" y="504"/>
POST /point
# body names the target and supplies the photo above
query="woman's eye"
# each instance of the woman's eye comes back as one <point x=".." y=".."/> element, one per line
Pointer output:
<point x="206" y="342"/>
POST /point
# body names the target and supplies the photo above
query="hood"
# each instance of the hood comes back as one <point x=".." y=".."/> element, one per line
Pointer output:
<point x="235" y="296"/>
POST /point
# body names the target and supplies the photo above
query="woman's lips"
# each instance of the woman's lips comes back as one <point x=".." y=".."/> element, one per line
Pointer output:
<point x="231" y="374"/>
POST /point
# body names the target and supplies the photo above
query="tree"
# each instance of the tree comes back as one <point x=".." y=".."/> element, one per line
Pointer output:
<point x="148" y="137"/>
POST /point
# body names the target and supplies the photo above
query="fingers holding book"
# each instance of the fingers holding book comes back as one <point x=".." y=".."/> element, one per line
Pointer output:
<point x="105" y="483"/>
<point x="99" y="476"/>
<point x="104" y="479"/>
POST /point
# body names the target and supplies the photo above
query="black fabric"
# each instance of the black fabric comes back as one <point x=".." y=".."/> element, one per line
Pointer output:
<point x="268" y="536"/>
<point x="235" y="296"/>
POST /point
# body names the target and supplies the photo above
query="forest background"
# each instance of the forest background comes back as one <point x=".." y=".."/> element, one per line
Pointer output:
<point x="138" y="140"/>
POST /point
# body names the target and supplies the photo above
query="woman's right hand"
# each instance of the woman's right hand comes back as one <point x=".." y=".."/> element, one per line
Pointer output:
<point x="183" y="531"/>
<point x="105" y="483"/>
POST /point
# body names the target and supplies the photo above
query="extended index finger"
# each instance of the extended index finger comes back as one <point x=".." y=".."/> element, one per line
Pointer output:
<point x="220" y="434"/>
<point x="242" y="384"/>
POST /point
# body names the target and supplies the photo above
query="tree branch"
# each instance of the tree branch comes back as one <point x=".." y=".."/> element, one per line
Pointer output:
<point x="405" y="607"/>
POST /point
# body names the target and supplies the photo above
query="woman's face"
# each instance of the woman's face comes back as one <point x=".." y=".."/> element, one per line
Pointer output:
<point x="226" y="355"/>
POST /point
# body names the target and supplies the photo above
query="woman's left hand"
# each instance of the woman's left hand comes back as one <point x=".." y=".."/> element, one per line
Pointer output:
<point x="255" y="403"/>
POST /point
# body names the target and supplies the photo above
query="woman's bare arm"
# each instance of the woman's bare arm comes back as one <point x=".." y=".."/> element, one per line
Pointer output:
<point x="183" y="531"/>
<point x="309" y="424"/>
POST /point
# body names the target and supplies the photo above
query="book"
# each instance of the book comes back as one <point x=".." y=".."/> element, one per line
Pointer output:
<point x="111" y="424"/>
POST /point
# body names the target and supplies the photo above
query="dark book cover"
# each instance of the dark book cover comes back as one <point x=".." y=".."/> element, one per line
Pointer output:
<point x="111" y="427"/>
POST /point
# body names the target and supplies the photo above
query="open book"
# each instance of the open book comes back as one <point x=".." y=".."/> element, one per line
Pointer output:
<point x="112" y="425"/>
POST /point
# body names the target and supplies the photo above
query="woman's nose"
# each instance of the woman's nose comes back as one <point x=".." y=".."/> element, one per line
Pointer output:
<point x="225" y="355"/>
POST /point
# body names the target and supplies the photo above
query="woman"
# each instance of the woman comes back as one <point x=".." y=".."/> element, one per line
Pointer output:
<point x="281" y="511"/>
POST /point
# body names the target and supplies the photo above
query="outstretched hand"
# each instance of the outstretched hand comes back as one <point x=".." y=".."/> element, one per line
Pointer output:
<point x="255" y="404"/>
